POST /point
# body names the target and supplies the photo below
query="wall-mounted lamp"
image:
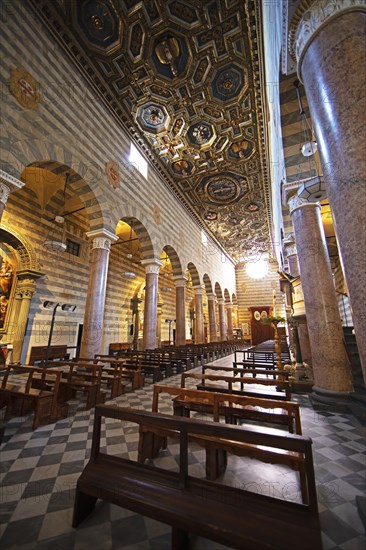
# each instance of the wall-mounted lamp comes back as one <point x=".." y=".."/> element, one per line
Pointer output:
<point x="68" y="307"/>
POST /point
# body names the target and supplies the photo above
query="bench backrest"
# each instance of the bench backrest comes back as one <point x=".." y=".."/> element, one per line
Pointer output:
<point x="230" y="380"/>
<point x="186" y="427"/>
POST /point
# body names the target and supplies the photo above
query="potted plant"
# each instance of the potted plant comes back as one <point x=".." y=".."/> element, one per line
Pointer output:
<point x="275" y="320"/>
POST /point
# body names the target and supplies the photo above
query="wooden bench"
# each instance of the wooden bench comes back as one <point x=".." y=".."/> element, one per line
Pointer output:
<point x="236" y="369"/>
<point x="80" y="376"/>
<point x="232" y="516"/>
<point x="25" y="389"/>
<point x="38" y="354"/>
<point x="281" y="386"/>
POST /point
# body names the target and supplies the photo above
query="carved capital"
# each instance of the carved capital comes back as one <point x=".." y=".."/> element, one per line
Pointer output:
<point x="211" y="297"/>
<point x="102" y="238"/>
<point x="152" y="265"/>
<point x="100" y="242"/>
<point x="198" y="290"/>
<point x="180" y="280"/>
<point x="26" y="288"/>
<point x="306" y="24"/>
<point x="295" y="202"/>
<point x="4" y="192"/>
<point x="8" y="184"/>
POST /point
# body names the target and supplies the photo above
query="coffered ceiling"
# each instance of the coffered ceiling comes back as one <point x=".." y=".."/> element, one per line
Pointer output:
<point x="184" y="79"/>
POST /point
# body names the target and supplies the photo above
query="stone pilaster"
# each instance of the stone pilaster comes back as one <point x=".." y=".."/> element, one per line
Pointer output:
<point x="331" y="365"/>
<point x="180" y="309"/>
<point x="291" y="253"/>
<point x="329" y="40"/>
<point x="23" y="295"/>
<point x="212" y="317"/>
<point x="199" y="325"/>
<point x="95" y="299"/>
<point x="152" y="268"/>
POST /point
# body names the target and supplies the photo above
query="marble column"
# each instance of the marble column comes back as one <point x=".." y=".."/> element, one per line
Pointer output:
<point x="291" y="252"/>
<point x="152" y="268"/>
<point x="198" y="305"/>
<point x="8" y="184"/>
<point x="95" y="300"/>
<point x="135" y="306"/>
<point x="159" y="317"/>
<point x="222" y="320"/>
<point x="180" y="309"/>
<point x="332" y="372"/>
<point x="212" y="317"/>
<point x="229" y="317"/>
<point x="331" y="55"/>
<point x="24" y="292"/>
<point x="303" y="333"/>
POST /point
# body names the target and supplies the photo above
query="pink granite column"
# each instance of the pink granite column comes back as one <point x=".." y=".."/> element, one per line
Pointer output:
<point x="152" y="267"/>
<point x="180" y="309"/>
<point x="331" y="54"/>
<point x="222" y="320"/>
<point x="7" y="184"/>
<point x="94" y="308"/>
<point x="212" y="317"/>
<point x="229" y="316"/>
<point x="332" y="373"/>
<point x="199" y="326"/>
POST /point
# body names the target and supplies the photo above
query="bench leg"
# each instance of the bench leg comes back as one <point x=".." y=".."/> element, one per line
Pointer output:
<point x="180" y="539"/>
<point x="216" y="462"/>
<point x="83" y="506"/>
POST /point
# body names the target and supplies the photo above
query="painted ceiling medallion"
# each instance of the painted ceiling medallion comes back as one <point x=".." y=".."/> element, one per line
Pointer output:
<point x="182" y="167"/>
<point x="201" y="134"/>
<point x="113" y="175"/>
<point x="170" y="55"/>
<point x="24" y="88"/>
<point x="100" y="24"/>
<point x="229" y="82"/>
<point x="153" y="118"/>
<point x="242" y="149"/>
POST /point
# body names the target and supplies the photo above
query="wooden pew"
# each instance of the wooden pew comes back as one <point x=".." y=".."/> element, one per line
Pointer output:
<point x="229" y="515"/>
<point x="236" y="369"/>
<point x="25" y="389"/>
<point x="282" y="386"/>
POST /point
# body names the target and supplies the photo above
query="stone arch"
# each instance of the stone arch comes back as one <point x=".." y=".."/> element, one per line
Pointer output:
<point x="146" y="245"/>
<point x="194" y="274"/>
<point x="22" y="246"/>
<point x="174" y="260"/>
<point x="227" y="296"/>
<point x="234" y="299"/>
<point x="218" y="291"/>
<point x="92" y="199"/>
<point x="208" y="284"/>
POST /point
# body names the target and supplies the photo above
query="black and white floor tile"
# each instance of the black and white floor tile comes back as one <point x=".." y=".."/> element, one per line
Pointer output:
<point x="39" y="470"/>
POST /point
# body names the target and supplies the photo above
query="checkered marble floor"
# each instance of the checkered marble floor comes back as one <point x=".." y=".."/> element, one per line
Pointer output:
<point x="39" y="470"/>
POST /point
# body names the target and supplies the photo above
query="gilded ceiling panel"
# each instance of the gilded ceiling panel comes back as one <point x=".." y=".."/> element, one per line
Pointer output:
<point x="184" y="79"/>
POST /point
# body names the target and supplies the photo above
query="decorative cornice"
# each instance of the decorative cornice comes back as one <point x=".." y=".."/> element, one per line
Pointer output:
<point x="309" y="19"/>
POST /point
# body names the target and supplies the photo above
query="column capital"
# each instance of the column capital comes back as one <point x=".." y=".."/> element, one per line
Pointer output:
<point x="8" y="184"/>
<point x="211" y="296"/>
<point x="221" y="301"/>
<point x="198" y="290"/>
<point x="295" y="202"/>
<point x="307" y="22"/>
<point x="102" y="238"/>
<point x="152" y="265"/>
<point x="228" y="306"/>
<point x="180" y="280"/>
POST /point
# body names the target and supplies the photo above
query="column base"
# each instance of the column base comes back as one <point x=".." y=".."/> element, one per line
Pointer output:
<point x="322" y="399"/>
